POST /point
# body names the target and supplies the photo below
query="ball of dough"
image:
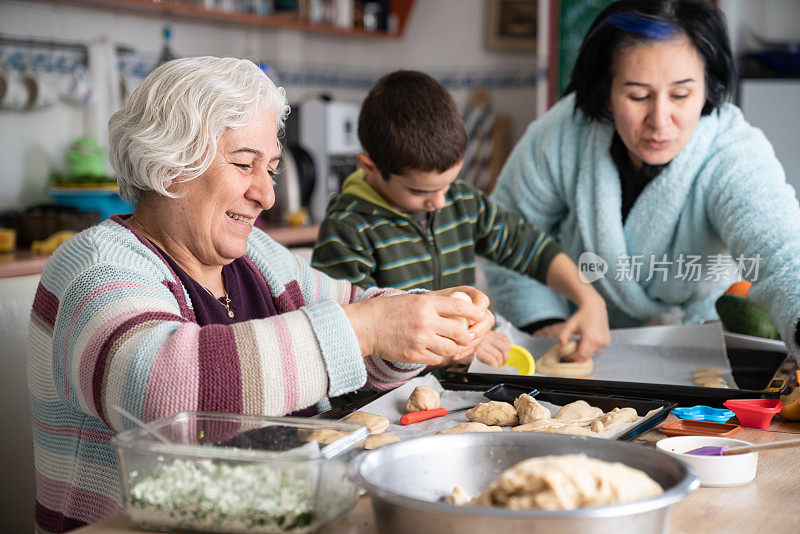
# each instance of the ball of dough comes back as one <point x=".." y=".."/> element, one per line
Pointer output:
<point x="379" y="440"/>
<point x="529" y="409"/>
<point x="463" y="428"/>
<point x="494" y="413"/>
<point x="461" y="296"/>
<point x="551" y="364"/>
<point x="579" y="413"/>
<point x="423" y="398"/>
<point x="615" y="417"/>
<point x="375" y="423"/>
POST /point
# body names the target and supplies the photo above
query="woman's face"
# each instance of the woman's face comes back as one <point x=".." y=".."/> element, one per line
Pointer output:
<point x="219" y="207"/>
<point x="657" y="95"/>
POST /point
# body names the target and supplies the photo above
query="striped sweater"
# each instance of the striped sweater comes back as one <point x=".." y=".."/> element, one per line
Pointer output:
<point x="371" y="244"/>
<point x="111" y="324"/>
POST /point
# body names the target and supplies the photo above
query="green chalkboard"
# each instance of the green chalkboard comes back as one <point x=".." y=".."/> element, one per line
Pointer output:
<point x="575" y="18"/>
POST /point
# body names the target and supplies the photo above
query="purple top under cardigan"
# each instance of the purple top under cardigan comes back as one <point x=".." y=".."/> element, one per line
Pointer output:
<point x="249" y="299"/>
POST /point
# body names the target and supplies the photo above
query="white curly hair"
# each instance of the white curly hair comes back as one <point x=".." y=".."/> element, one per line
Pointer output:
<point x="168" y="130"/>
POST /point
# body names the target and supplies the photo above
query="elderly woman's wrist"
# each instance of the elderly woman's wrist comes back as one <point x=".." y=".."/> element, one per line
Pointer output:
<point x="358" y="315"/>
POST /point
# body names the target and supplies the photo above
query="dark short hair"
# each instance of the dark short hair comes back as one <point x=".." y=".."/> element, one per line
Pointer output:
<point x="410" y="122"/>
<point x="629" y="22"/>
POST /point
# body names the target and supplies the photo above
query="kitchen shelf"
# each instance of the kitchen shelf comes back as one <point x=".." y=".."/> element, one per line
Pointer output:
<point x="24" y="262"/>
<point x="21" y="263"/>
<point x="184" y="9"/>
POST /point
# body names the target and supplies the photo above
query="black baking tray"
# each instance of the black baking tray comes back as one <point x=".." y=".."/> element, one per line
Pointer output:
<point x="508" y="392"/>
<point x="758" y="374"/>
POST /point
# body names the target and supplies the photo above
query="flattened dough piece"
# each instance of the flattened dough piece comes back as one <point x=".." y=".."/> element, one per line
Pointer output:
<point x="579" y="413"/>
<point x="565" y="483"/>
<point x="423" y="398"/>
<point x="709" y="377"/>
<point x="379" y="440"/>
<point x="463" y="428"/>
<point x="494" y="413"/>
<point x="539" y="425"/>
<point x="529" y="409"/>
<point x="574" y="430"/>
<point x="551" y="364"/>
<point x="615" y="417"/>
<point x="323" y="436"/>
<point x="376" y="423"/>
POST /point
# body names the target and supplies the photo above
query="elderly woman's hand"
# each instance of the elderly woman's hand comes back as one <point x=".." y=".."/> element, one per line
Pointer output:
<point x="421" y="328"/>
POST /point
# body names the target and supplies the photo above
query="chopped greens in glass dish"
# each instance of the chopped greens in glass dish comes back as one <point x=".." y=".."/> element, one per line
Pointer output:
<point x="206" y="495"/>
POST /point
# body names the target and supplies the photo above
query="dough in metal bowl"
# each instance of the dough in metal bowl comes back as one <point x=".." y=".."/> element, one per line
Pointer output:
<point x="564" y="482"/>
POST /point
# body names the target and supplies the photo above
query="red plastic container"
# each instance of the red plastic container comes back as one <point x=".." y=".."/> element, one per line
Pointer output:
<point x="754" y="413"/>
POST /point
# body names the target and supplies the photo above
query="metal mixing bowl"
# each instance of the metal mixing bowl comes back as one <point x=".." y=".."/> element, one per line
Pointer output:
<point x="408" y="481"/>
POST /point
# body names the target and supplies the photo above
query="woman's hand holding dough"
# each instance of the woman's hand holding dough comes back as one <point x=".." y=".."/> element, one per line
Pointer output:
<point x="423" y="328"/>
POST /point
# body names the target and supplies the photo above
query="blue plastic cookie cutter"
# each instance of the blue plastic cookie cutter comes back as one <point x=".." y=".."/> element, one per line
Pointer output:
<point x="704" y="413"/>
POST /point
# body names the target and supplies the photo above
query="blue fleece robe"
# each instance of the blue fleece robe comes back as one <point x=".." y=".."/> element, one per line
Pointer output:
<point x="724" y="194"/>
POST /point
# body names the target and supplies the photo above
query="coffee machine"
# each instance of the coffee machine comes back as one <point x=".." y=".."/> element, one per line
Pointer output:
<point x="325" y="132"/>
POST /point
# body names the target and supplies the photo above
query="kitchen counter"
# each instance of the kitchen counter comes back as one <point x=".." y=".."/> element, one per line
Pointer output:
<point x="23" y="262"/>
<point x="771" y="503"/>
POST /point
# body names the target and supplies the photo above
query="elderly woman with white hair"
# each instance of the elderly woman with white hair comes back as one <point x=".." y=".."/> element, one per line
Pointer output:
<point x="183" y="305"/>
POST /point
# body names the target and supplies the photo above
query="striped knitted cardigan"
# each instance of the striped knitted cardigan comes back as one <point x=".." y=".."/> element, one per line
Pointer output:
<point x="111" y="324"/>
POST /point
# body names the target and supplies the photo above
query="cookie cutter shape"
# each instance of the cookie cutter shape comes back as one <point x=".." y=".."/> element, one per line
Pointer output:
<point x="703" y="413"/>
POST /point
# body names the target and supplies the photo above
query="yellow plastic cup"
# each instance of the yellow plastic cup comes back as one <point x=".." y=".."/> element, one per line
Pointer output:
<point x="522" y="360"/>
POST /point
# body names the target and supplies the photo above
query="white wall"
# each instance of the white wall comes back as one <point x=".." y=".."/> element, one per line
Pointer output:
<point x="16" y="451"/>
<point x="440" y="37"/>
<point x="777" y="20"/>
<point x="769" y="104"/>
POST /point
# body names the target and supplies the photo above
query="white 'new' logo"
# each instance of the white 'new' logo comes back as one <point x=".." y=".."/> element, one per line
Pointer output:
<point x="591" y="267"/>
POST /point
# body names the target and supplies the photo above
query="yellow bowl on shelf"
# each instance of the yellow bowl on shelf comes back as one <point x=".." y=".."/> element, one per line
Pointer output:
<point x="522" y="360"/>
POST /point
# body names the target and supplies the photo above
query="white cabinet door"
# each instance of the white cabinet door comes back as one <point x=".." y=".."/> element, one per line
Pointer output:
<point x="773" y="105"/>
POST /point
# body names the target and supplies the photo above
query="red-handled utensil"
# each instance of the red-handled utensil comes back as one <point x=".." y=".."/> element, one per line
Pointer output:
<point x="416" y="417"/>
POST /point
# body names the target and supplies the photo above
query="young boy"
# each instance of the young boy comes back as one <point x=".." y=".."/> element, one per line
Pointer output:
<point x="404" y="221"/>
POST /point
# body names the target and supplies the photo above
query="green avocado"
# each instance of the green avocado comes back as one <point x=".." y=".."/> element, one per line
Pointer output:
<point x="744" y="316"/>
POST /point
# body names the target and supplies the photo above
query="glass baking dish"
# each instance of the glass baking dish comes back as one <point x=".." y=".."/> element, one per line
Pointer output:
<point x="237" y="473"/>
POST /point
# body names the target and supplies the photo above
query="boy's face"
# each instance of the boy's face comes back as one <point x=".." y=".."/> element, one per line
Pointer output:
<point x="415" y="191"/>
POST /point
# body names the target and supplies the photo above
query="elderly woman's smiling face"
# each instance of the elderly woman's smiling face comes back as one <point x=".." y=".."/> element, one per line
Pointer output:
<point x="218" y="209"/>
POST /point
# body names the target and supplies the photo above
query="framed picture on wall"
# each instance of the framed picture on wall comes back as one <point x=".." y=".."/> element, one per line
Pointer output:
<point x="511" y="25"/>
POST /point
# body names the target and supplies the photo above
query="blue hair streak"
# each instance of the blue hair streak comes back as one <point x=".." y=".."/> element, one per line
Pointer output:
<point x="638" y="24"/>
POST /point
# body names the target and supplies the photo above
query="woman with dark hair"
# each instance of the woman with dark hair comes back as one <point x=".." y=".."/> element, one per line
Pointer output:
<point x="658" y="188"/>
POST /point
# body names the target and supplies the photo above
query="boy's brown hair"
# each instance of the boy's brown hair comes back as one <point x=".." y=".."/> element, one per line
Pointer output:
<point x="409" y="121"/>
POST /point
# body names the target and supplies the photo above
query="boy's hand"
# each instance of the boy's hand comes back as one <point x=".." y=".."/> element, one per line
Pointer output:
<point x="551" y="331"/>
<point x="493" y="349"/>
<point x="590" y="323"/>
